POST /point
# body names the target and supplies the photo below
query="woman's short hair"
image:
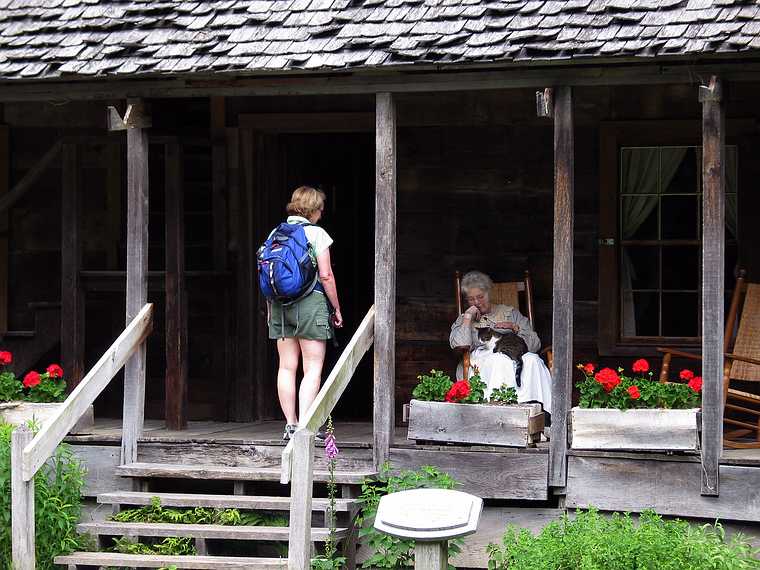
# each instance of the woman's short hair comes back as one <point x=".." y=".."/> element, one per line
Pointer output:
<point x="305" y="201"/>
<point x="476" y="280"/>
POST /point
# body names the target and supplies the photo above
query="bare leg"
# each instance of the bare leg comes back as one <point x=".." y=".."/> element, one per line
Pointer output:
<point x="313" y="352"/>
<point x="289" y="351"/>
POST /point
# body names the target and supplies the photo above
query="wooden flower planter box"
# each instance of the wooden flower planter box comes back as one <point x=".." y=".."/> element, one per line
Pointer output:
<point x="634" y="430"/>
<point x="18" y="413"/>
<point x="518" y="425"/>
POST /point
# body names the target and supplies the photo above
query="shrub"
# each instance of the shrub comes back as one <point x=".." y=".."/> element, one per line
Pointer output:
<point x="594" y="542"/>
<point x="389" y="551"/>
<point x="57" y="505"/>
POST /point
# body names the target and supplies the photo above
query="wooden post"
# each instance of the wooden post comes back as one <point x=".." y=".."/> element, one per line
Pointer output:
<point x="5" y="158"/>
<point x="431" y="555"/>
<point x="176" y="294"/>
<point x="22" y="504"/>
<point x="562" y="289"/>
<point x="301" y="487"/>
<point x="72" y="293"/>
<point x="137" y="279"/>
<point x="713" y="243"/>
<point x="385" y="276"/>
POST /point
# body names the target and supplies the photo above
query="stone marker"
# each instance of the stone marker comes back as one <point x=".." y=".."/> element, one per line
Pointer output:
<point x="431" y="517"/>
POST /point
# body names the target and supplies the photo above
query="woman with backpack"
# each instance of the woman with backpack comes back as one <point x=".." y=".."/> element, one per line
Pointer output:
<point x="301" y="325"/>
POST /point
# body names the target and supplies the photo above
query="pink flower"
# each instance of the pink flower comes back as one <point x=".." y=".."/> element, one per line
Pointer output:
<point x="55" y="371"/>
<point x="641" y="366"/>
<point x="31" y="379"/>
<point x="5" y="357"/>
<point x="331" y="449"/>
<point x="608" y="378"/>
<point x="696" y="384"/>
<point x="686" y="375"/>
<point x="633" y="392"/>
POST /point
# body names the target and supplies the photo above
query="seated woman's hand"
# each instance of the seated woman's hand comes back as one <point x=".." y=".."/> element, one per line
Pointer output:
<point x="472" y="313"/>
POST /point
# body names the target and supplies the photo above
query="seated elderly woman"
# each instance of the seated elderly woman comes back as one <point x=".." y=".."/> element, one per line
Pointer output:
<point x="474" y="330"/>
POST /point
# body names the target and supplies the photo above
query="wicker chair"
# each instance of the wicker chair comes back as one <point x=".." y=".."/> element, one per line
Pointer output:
<point x="514" y="293"/>
<point x="741" y="347"/>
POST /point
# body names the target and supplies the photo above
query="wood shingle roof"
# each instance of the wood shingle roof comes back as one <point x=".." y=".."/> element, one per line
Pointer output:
<point x="41" y="39"/>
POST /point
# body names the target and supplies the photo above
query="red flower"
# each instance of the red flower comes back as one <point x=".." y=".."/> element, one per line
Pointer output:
<point x="641" y="366"/>
<point x="686" y="375"/>
<point x="55" y="371"/>
<point x="5" y="357"/>
<point x="31" y="379"/>
<point x="458" y="391"/>
<point x="633" y="392"/>
<point x="608" y="378"/>
<point x="589" y="368"/>
<point x="696" y="384"/>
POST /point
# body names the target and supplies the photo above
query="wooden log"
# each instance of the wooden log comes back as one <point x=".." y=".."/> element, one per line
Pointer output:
<point x="176" y="293"/>
<point x="475" y="423"/>
<point x="301" y="488"/>
<point x="22" y="504"/>
<point x="20" y="189"/>
<point x="562" y="286"/>
<point x="431" y="555"/>
<point x="72" y="293"/>
<point x="713" y="248"/>
<point x="385" y="275"/>
<point x="137" y="285"/>
<point x="47" y="439"/>
<point x="5" y="169"/>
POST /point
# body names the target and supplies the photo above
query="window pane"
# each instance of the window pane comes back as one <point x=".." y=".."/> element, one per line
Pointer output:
<point x="640" y="268"/>
<point x="680" y="314"/>
<point x="679" y="217"/>
<point x="678" y="170"/>
<point x="639" y="217"/>
<point x="729" y="273"/>
<point x="640" y="314"/>
<point x="732" y="215"/>
<point x="639" y="170"/>
<point x="680" y="267"/>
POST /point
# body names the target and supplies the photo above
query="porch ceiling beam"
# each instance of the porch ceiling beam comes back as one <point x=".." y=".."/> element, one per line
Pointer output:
<point x="385" y="276"/>
<point x="137" y="283"/>
<point x="713" y="246"/>
<point x="558" y="103"/>
<point x="391" y="80"/>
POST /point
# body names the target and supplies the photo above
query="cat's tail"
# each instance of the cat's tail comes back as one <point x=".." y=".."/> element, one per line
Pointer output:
<point x="518" y="371"/>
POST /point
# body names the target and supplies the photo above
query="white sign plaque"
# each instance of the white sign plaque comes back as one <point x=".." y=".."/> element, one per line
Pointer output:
<point x="429" y="514"/>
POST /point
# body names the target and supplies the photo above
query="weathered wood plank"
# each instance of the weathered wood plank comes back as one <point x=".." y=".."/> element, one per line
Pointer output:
<point x="644" y="430"/>
<point x="176" y="293"/>
<point x="101" y="462"/>
<point x="51" y="434"/>
<point x="226" y="532"/>
<point x="137" y="284"/>
<point x="475" y="423"/>
<point x="490" y="475"/>
<point x="301" y="534"/>
<point x="385" y="275"/>
<point x="109" y="559"/>
<point x="22" y="503"/>
<point x="20" y="189"/>
<point x="72" y="294"/>
<point x="669" y="487"/>
<point x="18" y="413"/>
<point x="562" y="286"/>
<point x="431" y="555"/>
<point x="713" y="247"/>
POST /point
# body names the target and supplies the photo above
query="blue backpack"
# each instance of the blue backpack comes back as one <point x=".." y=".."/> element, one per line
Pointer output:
<point x="287" y="265"/>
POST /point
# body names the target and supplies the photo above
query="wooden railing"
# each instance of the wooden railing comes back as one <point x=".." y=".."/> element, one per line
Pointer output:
<point x="29" y="453"/>
<point x="298" y="456"/>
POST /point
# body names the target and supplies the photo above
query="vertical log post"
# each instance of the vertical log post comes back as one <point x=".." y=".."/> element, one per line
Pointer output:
<point x="385" y="275"/>
<point x="176" y="294"/>
<point x="22" y="504"/>
<point x="137" y="273"/>
<point x="560" y="103"/>
<point x="72" y="294"/>
<point x="301" y="488"/>
<point x="713" y="244"/>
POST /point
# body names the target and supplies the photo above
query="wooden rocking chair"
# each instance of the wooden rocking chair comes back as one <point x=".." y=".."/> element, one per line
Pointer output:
<point x="741" y="347"/>
<point x="514" y="293"/>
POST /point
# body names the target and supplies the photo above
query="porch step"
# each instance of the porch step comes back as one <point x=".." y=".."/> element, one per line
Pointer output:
<point x="272" y="533"/>
<point x="105" y="559"/>
<point x="221" y="472"/>
<point x="219" y="501"/>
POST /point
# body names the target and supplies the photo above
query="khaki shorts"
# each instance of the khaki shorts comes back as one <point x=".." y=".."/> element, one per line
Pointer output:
<point x="309" y="318"/>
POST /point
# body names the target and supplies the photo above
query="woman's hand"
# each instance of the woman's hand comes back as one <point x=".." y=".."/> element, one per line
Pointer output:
<point x="337" y="319"/>
<point x="472" y="313"/>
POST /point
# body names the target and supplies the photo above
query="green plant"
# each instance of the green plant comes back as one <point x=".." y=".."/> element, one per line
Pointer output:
<point x="171" y="546"/>
<point x="10" y="387"/>
<point x="432" y="387"/>
<point x="591" y="541"/>
<point x="46" y="387"/>
<point x="504" y="395"/>
<point x="477" y="390"/>
<point x="57" y="489"/>
<point x="389" y="551"/>
<point x="608" y="388"/>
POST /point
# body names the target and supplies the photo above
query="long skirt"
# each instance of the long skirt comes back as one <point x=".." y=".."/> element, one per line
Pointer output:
<point x="498" y="369"/>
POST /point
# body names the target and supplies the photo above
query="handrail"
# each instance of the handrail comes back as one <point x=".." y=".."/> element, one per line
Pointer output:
<point x="298" y="456"/>
<point x="334" y="386"/>
<point x="52" y="433"/>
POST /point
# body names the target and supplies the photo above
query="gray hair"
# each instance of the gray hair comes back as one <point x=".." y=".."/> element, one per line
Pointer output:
<point x="476" y="280"/>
